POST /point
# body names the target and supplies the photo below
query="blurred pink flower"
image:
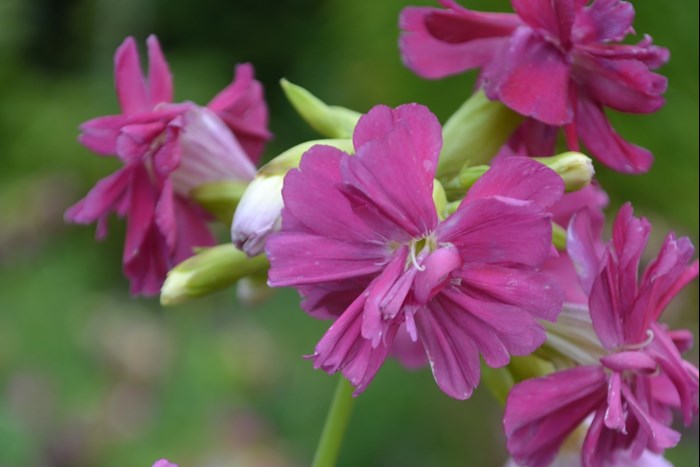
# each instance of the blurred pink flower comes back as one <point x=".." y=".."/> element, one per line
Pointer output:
<point x="164" y="463"/>
<point x="166" y="150"/>
<point x="642" y="375"/>
<point x="373" y="251"/>
<point x="557" y="61"/>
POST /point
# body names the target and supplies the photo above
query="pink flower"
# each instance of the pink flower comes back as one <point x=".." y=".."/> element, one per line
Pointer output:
<point x="557" y="61"/>
<point x="164" y="463"/>
<point x="361" y="239"/>
<point x="592" y="199"/>
<point x="166" y="150"/>
<point x="641" y="376"/>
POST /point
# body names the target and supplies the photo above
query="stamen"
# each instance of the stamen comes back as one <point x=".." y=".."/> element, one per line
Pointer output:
<point x="413" y="258"/>
<point x="641" y="345"/>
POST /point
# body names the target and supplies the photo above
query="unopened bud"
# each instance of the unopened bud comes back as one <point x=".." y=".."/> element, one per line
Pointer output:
<point x="474" y="134"/>
<point x="259" y="211"/>
<point x="258" y="214"/>
<point x="574" y="168"/>
<point x="208" y="271"/>
<point x="329" y="120"/>
<point x="440" y="199"/>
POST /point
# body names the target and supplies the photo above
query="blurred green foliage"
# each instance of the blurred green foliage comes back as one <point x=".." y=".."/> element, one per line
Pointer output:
<point x="92" y="377"/>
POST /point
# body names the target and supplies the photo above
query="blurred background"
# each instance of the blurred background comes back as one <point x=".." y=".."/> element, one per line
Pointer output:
<point x="92" y="377"/>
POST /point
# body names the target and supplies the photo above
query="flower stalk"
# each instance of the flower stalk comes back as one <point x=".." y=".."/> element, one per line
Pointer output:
<point x="336" y="424"/>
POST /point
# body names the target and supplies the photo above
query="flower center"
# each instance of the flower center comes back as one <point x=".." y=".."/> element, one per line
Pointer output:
<point x="418" y="250"/>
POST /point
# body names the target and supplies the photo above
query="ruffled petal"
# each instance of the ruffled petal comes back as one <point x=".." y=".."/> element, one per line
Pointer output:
<point x="605" y="144"/>
<point x="532" y="78"/>
<point x="344" y="348"/>
<point x="519" y="178"/>
<point x="604" y="20"/>
<point x="625" y="85"/>
<point x="142" y="202"/>
<point x="555" y="17"/>
<point x="436" y="43"/>
<point x="453" y="356"/>
<point x="160" y="80"/>
<point x="531" y="291"/>
<point x="499" y="230"/>
<point x="242" y="106"/>
<point x="540" y="413"/>
<point x="316" y="183"/>
<point x="298" y="258"/>
<point x="394" y="166"/>
<point x="129" y="80"/>
<point x="101" y="199"/>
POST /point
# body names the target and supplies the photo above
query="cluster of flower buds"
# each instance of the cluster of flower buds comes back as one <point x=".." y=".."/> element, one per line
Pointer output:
<point x="440" y="245"/>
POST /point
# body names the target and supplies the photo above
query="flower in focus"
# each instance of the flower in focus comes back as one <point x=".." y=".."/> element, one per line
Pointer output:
<point x="640" y="376"/>
<point x="559" y="62"/>
<point x="167" y="150"/>
<point x="361" y="239"/>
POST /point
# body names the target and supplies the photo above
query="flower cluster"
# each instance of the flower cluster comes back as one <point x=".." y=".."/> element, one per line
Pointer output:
<point x="391" y="231"/>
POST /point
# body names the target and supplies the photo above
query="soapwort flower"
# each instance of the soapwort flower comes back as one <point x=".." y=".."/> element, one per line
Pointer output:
<point x="167" y="149"/>
<point x="361" y="239"/>
<point x="558" y="62"/>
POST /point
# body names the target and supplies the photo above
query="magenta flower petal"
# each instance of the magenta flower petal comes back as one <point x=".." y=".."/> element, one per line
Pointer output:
<point x="316" y="184"/>
<point x="499" y="230"/>
<point x="532" y="78"/>
<point x="342" y="347"/>
<point x="295" y="263"/>
<point x="598" y="135"/>
<point x="437" y="43"/>
<point x="531" y="291"/>
<point x="159" y="78"/>
<point x="556" y="17"/>
<point x="142" y="202"/>
<point x="453" y="356"/>
<point x="498" y="329"/>
<point x="604" y="20"/>
<point x="242" y="106"/>
<point x="540" y="413"/>
<point x="396" y="158"/>
<point x="625" y="85"/>
<point x="101" y="199"/>
<point x="519" y="178"/>
<point x="129" y="80"/>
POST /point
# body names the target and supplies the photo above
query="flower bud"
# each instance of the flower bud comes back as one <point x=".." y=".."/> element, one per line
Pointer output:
<point x="209" y="152"/>
<point x="258" y="214"/>
<point x="259" y="210"/>
<point x="208" y="271"/>
<point x="574" y="168"/>
<point x="474" y="134"/>
<point x="331" y="121"/>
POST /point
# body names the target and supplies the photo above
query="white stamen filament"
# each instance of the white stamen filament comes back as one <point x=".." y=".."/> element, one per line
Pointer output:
<point x="641" y="345"/>
<point x="414" y="260"/>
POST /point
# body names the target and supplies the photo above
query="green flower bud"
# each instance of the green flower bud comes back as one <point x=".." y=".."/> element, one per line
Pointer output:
<point x="208" y="271"/>
<point x="329" y="120"/>
<point x="474" y="134"/>
<point x="574" y="168"/>
<point x="440" y="199"/>
<point x="290" y="158"/>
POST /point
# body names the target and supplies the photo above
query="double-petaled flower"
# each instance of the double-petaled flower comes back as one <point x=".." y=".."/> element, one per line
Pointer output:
<point x="559" y="62"/>
<point x="639" y="378"/>
<point x="167" y="149"/>
<point x="362" y="241"/>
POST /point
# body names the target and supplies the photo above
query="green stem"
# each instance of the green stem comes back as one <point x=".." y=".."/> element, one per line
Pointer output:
<point x="336" y="423"/>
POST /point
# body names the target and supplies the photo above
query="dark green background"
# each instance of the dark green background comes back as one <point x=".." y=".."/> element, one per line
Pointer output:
<point x="92" y="377"/>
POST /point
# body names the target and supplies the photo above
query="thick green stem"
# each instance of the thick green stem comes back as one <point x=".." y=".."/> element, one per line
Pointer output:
<point x="336" y="423"/>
